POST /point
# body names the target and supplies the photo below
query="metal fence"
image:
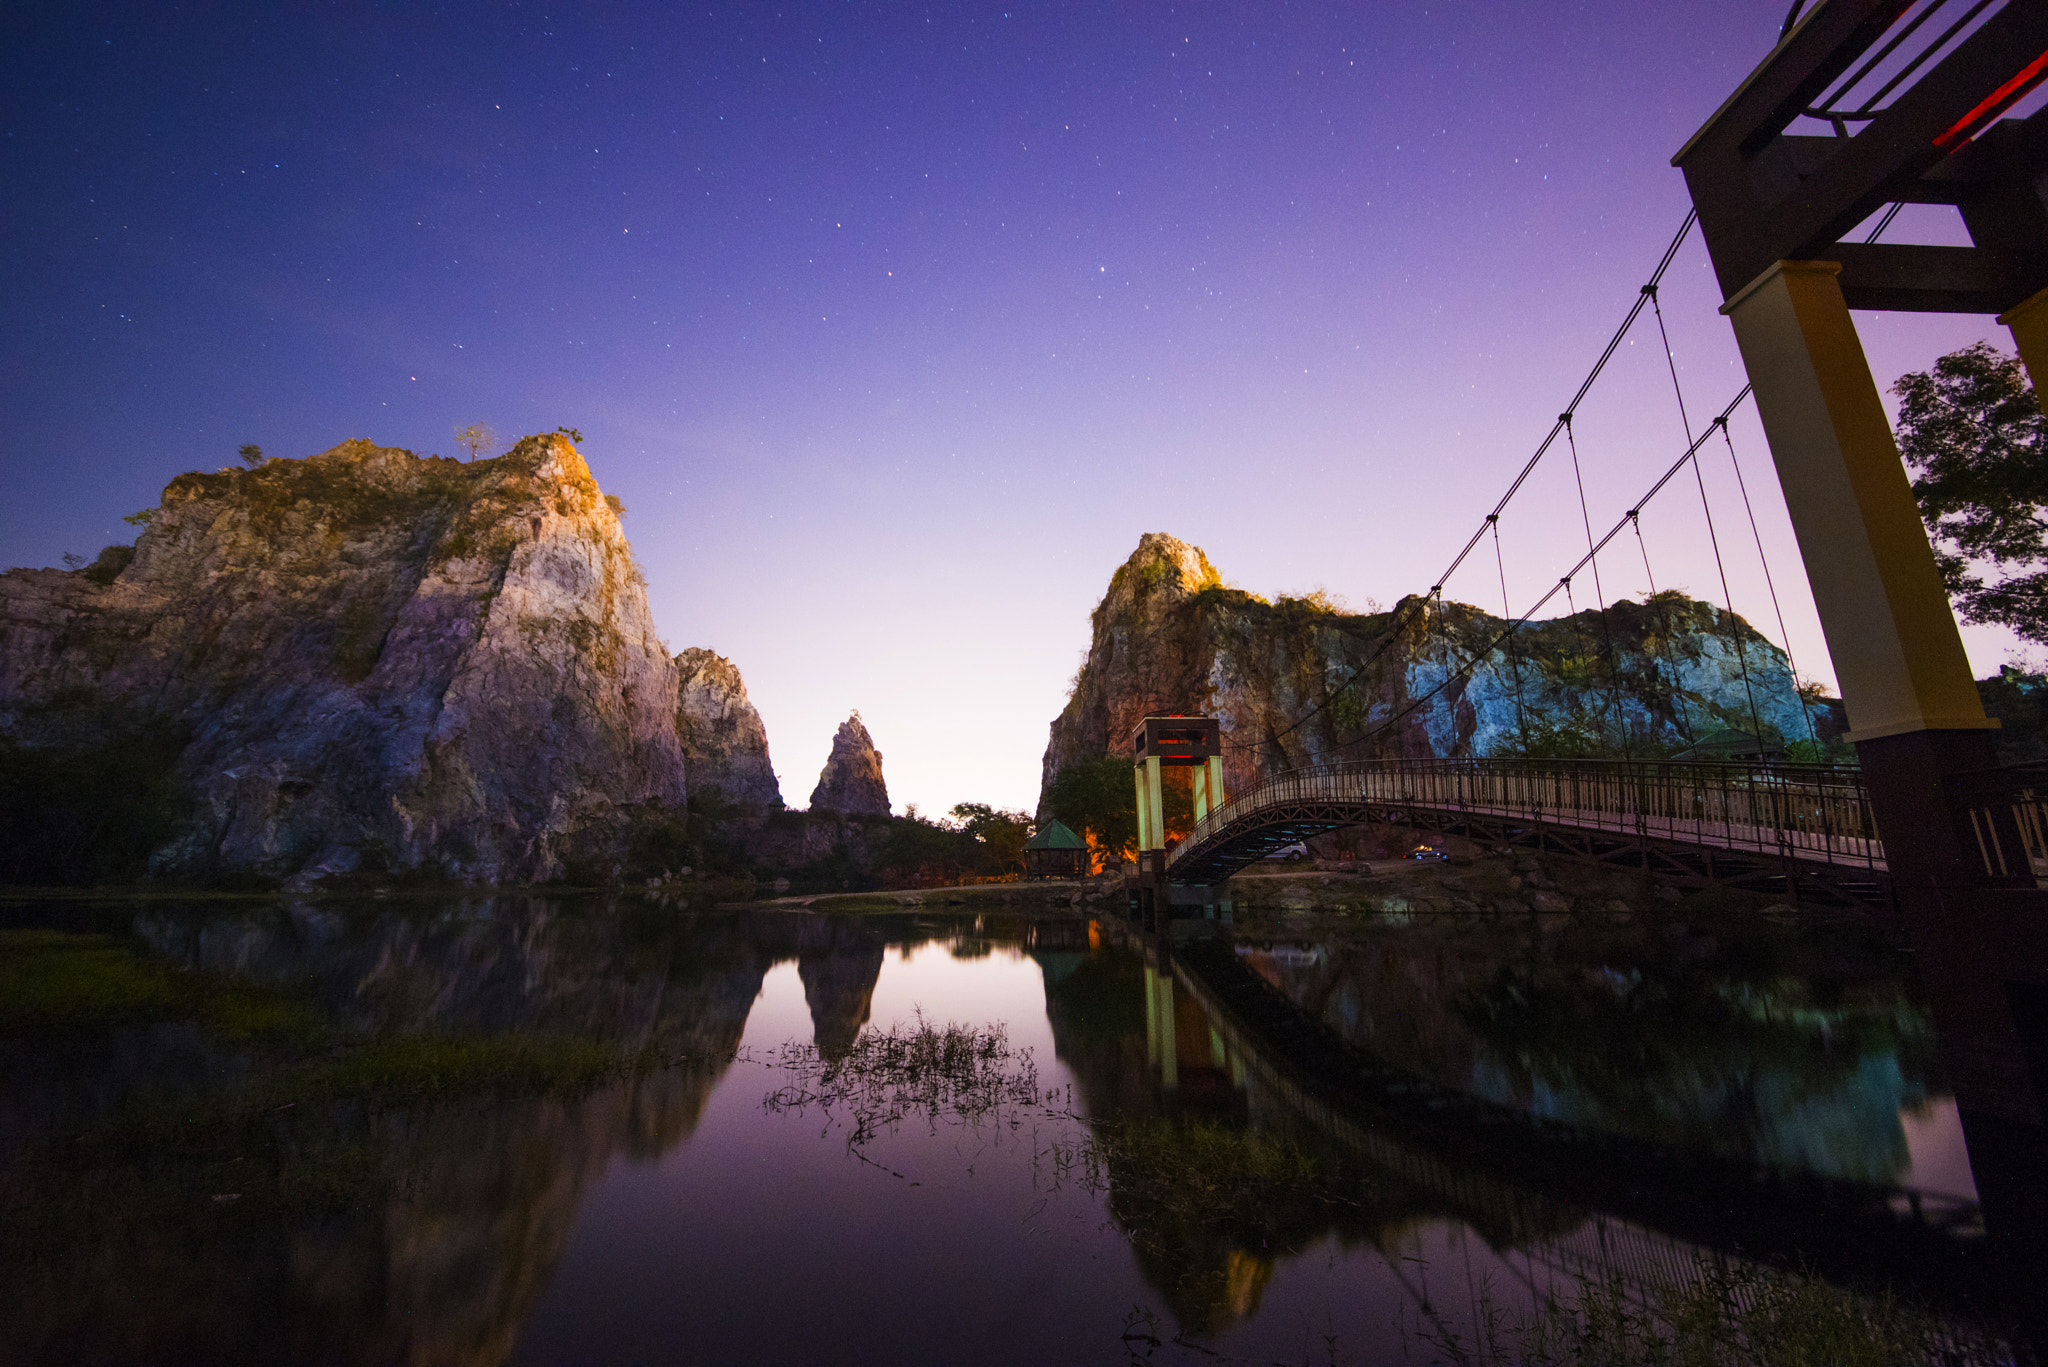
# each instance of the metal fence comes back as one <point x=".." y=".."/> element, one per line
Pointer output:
<point x="2003" y="818"/>
<point x="1819" y="813"/>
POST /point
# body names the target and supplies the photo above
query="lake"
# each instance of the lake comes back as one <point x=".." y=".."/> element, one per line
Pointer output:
<point x="533" y="1129"/>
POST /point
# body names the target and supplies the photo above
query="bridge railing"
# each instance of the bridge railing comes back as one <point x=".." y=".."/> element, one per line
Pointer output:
<point x="1814" y="812"/>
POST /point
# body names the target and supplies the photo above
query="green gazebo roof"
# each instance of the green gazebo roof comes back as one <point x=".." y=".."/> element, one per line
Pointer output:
<point x="1054" y="836"/>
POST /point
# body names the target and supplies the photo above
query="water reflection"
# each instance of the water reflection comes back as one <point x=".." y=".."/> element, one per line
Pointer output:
<point x="476" y="1226"/>
<point x="1795" y="1066"/>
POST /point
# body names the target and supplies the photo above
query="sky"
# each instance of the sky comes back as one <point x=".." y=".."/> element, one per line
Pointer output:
<point x="895" y="326"/>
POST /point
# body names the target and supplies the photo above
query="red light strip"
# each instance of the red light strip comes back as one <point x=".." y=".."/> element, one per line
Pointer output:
<point x="1992" y="105"/>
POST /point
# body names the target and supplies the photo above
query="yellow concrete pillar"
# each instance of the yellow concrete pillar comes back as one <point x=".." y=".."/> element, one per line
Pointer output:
<point x="1152" y="806"/>
<point x="1144" y="800"/>
<point x="1199" y="783"/>
<point x="2029" y="324"/>
<point x="1214" y="768"/>
<point x="1886" y="616"/>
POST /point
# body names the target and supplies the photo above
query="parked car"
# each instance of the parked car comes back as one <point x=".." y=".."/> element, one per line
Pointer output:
<point x="1427" y="853"/>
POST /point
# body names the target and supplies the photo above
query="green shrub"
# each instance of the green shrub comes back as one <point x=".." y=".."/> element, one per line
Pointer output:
<point x="91" y="811"/>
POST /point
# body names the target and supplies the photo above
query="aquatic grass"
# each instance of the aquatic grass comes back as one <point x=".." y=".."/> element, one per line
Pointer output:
<point x="950" y="1074"/>
<point x="1724" y="1315"/>
<point x="407" y="1069"/>
<point x="56" y="981"/>
<point x="268" y="1113"/>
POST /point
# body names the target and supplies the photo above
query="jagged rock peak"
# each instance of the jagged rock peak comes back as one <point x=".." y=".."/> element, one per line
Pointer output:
<point x="725" y="746"/>
<point x="1161" y="572"/>
<point x="370" y="661"/>
<point x="852" y="778"/>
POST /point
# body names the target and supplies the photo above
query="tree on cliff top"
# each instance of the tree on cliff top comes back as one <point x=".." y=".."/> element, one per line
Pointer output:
<point x="475" y="438"/>
<point x="1977" y="442"/>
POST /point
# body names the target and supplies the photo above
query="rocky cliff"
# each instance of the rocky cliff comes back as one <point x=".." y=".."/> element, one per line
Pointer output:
<point x="365" y="660"/>
<point x="1295" y="682"/>
<point x="725" y="747"/>
<point x="851" y="781"/>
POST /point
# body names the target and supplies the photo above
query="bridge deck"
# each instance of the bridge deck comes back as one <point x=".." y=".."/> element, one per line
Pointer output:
<point x="1815" y="817"/>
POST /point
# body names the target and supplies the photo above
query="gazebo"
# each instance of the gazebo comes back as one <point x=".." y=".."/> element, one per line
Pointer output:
<point x="1055" y="852"/>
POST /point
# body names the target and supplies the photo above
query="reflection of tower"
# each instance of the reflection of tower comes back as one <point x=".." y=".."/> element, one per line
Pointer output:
<point x="1160" y="1049"/>
<point x="839" y="987"/>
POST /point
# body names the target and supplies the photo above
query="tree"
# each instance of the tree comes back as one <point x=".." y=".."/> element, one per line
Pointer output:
<point x="1098" y="798"/>
<point x="1000" y="834"/>
<point x="251" y="454"/>
<point x="1977" y="443"/>
<point x="476" y="439"/>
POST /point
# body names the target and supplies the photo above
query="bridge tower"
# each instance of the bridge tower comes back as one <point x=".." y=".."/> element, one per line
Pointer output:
<point x="1160" y="743"/>
<point x="1915" y="120"/>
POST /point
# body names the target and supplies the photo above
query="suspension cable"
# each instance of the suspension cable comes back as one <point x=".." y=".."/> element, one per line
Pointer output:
<point x="1536" y="607"/>
<point x="1790" y="664"/>
<point x="1393" y="630"/>
<point x="1647" y="294"/>
<point x="1615" y="712"/>
<point x="1734" y="628"/>
<point x="1741" y="654"/>
<point x="1507" y="609"/>
<point x="1677" y="694"/>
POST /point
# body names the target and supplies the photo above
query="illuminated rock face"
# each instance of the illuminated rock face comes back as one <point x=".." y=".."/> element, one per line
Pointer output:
<point x="1295" y="682"/>
<point x="382" y="663"/>
<point x="724" y="744"/>
<point x="852" y="778"/>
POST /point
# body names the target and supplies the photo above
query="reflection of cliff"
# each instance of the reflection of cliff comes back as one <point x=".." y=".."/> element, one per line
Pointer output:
<point x="481" y="1202"/>
<point x="356" y="1232"/>
<point x="454" y="1221"/>
<point x="490" y="964"/>
<point x="839" y="986"/>
<point x="1805" y="1070"/>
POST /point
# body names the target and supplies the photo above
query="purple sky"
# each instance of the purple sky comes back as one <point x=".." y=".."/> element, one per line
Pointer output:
<point x="894" y="326"/>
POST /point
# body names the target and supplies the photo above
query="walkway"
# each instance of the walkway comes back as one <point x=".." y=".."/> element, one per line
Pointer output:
<point x="1782" y="827"/>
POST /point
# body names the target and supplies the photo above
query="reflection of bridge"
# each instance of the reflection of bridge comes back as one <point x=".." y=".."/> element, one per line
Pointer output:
<point x="1799" y="829"/>
<point x="1574" y="1200"/>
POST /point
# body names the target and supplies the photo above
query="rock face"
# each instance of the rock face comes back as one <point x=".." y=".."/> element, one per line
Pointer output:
<point x="1295" y="683"/>
<point x="374" y="662"/>
<point x="852" y="778"/>
<point x="725" y="747"/>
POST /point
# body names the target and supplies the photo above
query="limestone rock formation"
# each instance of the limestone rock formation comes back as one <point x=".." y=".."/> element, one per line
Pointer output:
<point x="852" y="778"/>
<point x="1294" y="682"/>
<point x="370" y="661"/>
<point x="725" y="747"/>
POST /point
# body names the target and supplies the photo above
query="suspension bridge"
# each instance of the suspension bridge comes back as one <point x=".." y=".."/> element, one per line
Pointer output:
<point x="1802" y="831"/>
<point x="1862" y="106"/>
